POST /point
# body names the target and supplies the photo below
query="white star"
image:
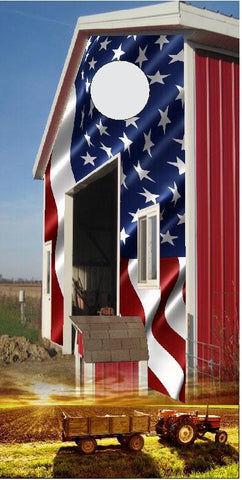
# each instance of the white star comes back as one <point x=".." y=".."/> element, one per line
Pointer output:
<point x="88" y="43"/>
<point x="90" y="113"/>
<point x="179" y="164"/>
<point x="126" y="141"/>
<point x="167" y="238"/>
<point x="134" y="36"/>
<point x="157" y="78"/>
<point x="118" y="52"/>
<point x="178" y="57"/>
<point x="180" y="95"/>
<point x="181" y="141"/>
<point x="123" y="177"/>
<point x="102" y="129"/>
<point x="176" y="194"/>
<point x="108" y="150"/>
<point x="88" y="159"/>
<point x="161" y="215"/>
<point x="88" y="139"/>
<point x="104" y="44"/>
<point x="148" y="143"/>
<point x="142" y="173"/>
<point x="92" y="63"/>
<point x="86" y="57"/>
<point x="82" y="74"/>
<point x="150" y="197"/>
<point x="135" y="216"/>
<point x="161" y="41"/>
<point x="142" y="57"/>
<point x="164" y="119"/>
<point x="131" y="121"/>
<point x="123" y="236"/>
<point x="181" y="219"/>
<point x="82" y="118"/>
<point x="87" y="85"/>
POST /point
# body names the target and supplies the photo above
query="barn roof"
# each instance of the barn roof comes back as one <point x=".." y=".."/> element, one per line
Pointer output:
<point x="111" y="338"/>
<point x="202" y="27"/>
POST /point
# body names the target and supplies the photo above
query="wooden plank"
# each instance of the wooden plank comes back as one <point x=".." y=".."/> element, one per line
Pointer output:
<point x="140" y="423"/>
<point x="119" y="424"/>
<point x="99" y="425"/>
<point x="75" y="426"/>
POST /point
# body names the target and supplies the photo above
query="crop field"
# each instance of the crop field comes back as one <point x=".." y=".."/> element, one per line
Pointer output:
<point x="31" y="447"/>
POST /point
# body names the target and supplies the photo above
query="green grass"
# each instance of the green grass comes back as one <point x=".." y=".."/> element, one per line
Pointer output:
<point x="204" y="459"/>
<point x="10" y="323"/>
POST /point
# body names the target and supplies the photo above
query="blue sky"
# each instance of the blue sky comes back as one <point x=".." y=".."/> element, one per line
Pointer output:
<point x="34" y="40"/>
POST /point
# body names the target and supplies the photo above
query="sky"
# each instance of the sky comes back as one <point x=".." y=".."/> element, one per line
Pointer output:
<point x="34" y="40"/>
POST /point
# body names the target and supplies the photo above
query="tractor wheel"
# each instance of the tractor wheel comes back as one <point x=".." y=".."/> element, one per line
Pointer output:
<point x="122" y="439"/>
<point x="184" y="432"/>
<point x="87" y="445"/>
<point x="136" y="443"/>
<point x="221" y="437"/>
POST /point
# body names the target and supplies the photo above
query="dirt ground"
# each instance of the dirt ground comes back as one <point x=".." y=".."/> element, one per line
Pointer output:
<point x="42" y="423"/>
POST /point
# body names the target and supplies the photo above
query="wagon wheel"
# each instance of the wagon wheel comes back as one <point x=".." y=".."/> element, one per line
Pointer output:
<point x="185" y="432"/>
<point x="221" y="437"/>
<point x="87" y="445"/>
<point x="136" y="442"/>
<point x="122" y="439"/>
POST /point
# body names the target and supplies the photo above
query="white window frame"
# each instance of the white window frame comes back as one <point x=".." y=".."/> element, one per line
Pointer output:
<point x="145" y="214"/>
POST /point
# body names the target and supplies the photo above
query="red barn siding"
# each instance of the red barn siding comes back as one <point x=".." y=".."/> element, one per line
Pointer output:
<point x="116" y="377"/>
<point x="217" y="153"/>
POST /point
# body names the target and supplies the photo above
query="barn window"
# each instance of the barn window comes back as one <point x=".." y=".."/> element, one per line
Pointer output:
<point x="148" y="247"/>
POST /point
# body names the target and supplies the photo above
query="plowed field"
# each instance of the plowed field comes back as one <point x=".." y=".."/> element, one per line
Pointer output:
<point x="44" y="423"/>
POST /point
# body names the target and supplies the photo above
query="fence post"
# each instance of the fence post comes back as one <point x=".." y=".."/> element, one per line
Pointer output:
<point x="22" y="307"/>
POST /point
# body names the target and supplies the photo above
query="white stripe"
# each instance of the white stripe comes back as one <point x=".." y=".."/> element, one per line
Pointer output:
<point x="62" y="178"/>
<point x="164" y="366"/>
<point x="175" y="309"/>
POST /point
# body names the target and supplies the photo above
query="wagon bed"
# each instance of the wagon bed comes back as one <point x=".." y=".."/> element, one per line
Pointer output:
<point x="85" y="430"/>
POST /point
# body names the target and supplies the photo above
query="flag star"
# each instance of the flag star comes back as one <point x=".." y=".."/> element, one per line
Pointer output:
<point x="181" y="141"/>
<point x="134" y="36"/>
<point x="142" y="173"/>
<point x="176" y="194"/>
<point x="179" y="164"/>
<point x="118" y="52"/>
<point x="102" y="129"/>
<point x="123" y="177"/>
<point x="92" y="63"/>
<point x="126" y="141"/>
<point x="88" y="159"/>
<point x="108" y="150"/>
<point x="82" y="74"/>
<point x="161" y="41"/>
<point x="157" y="78"/>
<point x="82" y="117"/>
<point x="87" y="85"/>
<point x="161" y="215"/>
<point x="88" y="43"/>
<point x="178" y="57"/>
<point x="134" y="215"/>
<point x="86" y="57"/>
<point x="150" y="197"/>
<point x="180" y="95"/>
<point x="90" y="113"/>
<point x="164" y="119"/>
<point x="131" y="121"/>
<point x="88" y="139"/>
<point x="167" y="238"/>
<point x="148" y="143"/>
<point x="142" y="57"/>
<point x="123" y="236"/>
<point x="181" y="219"/>
<point x="104" y="44"/>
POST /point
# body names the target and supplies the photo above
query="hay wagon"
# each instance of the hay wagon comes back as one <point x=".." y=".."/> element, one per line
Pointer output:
<point x="86" y="430"/>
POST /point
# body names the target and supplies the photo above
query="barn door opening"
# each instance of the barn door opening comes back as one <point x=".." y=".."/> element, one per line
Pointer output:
<point x="96" y="242"/>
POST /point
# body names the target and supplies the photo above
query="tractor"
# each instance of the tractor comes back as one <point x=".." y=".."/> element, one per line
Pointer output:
<point x="183" y="428"/>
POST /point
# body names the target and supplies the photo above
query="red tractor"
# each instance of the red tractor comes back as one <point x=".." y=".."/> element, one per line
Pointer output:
<point x="183" y="428"/>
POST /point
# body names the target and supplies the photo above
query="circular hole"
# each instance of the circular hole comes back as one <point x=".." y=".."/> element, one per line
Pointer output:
<point x="120" y="90"/>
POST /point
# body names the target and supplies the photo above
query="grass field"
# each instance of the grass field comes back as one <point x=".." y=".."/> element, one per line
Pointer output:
<point x="62" y="460"/>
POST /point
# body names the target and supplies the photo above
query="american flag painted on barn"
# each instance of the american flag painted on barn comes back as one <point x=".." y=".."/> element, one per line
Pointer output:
<point x="153" y="171"/>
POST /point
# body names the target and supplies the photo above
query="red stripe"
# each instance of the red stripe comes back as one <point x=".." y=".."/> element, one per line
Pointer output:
<point x="51" y="226"/>
<point x="155" y="383"/>
<point x="130" y="304"/>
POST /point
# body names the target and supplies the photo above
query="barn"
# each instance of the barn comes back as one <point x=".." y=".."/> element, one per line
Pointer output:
<point x="143" y="128"/>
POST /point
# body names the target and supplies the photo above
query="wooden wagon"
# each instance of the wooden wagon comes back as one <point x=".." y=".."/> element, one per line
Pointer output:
<point x="86" y="430"/>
